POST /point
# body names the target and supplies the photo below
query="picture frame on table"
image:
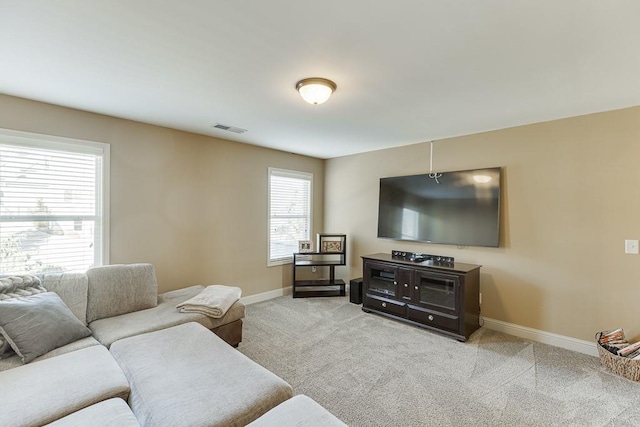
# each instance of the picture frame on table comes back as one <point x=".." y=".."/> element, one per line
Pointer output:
<point x="305" y="246"/>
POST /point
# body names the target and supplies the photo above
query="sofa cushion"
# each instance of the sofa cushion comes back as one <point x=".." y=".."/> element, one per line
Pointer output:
<point x="111" y="412"/>
<point x="72" y="288"/>
<point x="42" y="392"/>
<point x="188" y="376"/>
<point x="120" y="289"/>
<point x="300" y="410"/>
<point x="163" y="316"/>
<point x="14" y="361"/>
<point x="37" y="324"/>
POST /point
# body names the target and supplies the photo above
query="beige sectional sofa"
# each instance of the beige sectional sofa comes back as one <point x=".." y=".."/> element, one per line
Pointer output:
<point x="118" y="301"/>
<point x="136" y="360"/>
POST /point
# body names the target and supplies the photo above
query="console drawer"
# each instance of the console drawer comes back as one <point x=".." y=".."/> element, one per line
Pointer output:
<point x="383" y="304"/>
<point x="433" y="318"/>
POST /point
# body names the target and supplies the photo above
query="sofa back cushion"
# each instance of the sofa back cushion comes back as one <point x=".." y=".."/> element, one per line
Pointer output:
<point x="120" y="289"/>
<point x="72" y="289"/>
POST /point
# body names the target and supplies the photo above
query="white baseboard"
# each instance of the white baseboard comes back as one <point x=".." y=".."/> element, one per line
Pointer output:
<point x="252" y="299"/>
<point x="574" y="344"/>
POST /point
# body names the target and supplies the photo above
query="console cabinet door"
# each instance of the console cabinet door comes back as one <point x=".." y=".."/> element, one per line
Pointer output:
<point x="436" y="291"/>
<point x="381" y="279"/>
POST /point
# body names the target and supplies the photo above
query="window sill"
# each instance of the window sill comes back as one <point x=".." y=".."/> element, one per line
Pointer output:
<point x="275" y="263"/>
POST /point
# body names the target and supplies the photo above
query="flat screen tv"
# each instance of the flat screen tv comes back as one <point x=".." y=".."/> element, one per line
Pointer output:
<point x="456" y="208"/>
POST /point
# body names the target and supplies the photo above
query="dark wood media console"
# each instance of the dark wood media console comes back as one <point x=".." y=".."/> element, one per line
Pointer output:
<point x="444" y="297"/>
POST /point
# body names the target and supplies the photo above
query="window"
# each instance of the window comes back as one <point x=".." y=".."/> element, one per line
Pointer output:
<point x="289" y="213"/>
<point x="53" y="203"/>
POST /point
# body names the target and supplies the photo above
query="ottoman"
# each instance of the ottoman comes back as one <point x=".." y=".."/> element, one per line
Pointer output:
<point x="300" y="410"/>
<point x="186" y="375"/>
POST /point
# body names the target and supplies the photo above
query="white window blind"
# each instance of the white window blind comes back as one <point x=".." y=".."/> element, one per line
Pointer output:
<point x="289" y="213"/>
<point x="52" y="204"/>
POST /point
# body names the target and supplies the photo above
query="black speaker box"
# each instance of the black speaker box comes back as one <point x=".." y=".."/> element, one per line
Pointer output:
<point x="355" y="290"/>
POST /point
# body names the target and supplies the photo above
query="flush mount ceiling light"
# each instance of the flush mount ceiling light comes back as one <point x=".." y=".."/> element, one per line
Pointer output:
<point x="315" y="90"/>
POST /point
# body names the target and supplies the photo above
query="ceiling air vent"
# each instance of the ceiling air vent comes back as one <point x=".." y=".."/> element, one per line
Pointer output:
<point x="229" y="128"/>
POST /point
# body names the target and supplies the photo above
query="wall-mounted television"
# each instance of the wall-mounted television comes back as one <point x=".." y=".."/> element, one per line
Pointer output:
<point x="456" y="208"/>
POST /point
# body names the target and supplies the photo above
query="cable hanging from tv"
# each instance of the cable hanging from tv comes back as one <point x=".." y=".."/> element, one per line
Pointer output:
<point x="432" y="174"/>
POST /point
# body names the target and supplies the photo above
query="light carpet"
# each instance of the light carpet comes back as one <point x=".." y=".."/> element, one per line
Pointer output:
<point x="372" y="371"/>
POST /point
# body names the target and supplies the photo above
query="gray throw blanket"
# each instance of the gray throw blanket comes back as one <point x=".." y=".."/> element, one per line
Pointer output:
<point x="212" y="301"/>
<point x="20" y="286"/>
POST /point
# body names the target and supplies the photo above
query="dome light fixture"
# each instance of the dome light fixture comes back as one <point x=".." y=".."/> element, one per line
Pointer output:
<point x="315" y="90"/>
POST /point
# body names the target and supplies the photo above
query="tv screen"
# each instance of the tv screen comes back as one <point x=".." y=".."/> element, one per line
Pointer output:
<point x="457" y="208"/>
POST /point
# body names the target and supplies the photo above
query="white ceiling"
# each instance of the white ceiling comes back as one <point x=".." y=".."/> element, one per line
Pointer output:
<point x="407" y="71"/>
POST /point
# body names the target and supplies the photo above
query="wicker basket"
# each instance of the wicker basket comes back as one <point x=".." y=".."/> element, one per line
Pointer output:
<point x="622" y="366"/>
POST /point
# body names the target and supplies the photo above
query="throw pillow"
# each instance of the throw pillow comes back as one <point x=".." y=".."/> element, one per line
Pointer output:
<point x="12" y="287"/>
<point x="37" y="324"/>
<point x="5" y="348"/>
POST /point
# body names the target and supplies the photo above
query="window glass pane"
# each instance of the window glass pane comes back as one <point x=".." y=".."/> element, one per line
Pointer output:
<point x="289" y="212"/>
<point x="51" y="246"/>
<point x="285" y="233"/>
<point x="50" y="208"/>
<point x="44" y="182"/>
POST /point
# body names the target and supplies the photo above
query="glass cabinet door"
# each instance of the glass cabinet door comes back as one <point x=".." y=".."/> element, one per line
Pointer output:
<point x="436" y="290"/>
<point x="381" y="279"/>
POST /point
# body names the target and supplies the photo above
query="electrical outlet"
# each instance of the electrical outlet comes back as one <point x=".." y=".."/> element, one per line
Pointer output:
<point x="631" y="247"/>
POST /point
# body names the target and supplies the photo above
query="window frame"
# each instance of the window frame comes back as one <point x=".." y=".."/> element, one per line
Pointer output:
<point x="100" y="149"/>
<point x="308" y="176"/>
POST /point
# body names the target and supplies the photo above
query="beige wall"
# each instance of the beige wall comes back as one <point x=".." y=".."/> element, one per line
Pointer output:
<point x="194" y="206"/>
<point x="570" y="199"/>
